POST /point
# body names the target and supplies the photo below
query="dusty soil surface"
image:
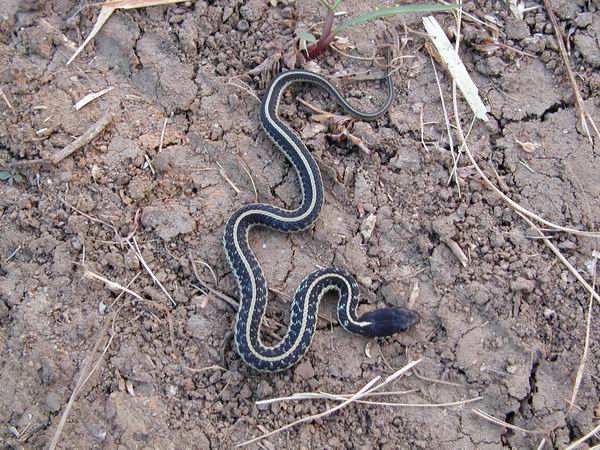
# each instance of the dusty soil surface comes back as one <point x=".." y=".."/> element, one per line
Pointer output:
<point x="507" y="326"/>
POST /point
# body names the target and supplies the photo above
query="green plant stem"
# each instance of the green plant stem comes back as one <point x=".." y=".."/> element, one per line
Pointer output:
<point x="328" y="34"/>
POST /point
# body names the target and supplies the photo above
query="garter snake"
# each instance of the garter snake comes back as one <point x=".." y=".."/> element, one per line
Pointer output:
<point x="250" y="278"/>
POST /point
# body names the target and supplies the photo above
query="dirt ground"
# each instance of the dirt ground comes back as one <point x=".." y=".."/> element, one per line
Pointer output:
<point x="508" y="325"/>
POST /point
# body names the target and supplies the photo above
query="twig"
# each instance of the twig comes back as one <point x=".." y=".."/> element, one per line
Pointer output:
<point x="8" y="102"/>
<point x="212" y="272"/>
<point x="84" y="139"/>
<point x="325" y="396"/>
<point x="218" y="294"/>
<point x="162" y="136"/>
<point x="356" y="396"/>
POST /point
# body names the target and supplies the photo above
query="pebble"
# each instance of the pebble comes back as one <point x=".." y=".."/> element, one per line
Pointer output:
<point x="522" y="285"/>
<point x="253" y="10"/>
<point x="304" y="370"/>
<point x="367" y="226"/>
<point x="243" y="25"/>
<point x="53" y="401"/>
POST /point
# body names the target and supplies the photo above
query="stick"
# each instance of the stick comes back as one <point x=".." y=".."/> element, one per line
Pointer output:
<point x="84" y="139"/>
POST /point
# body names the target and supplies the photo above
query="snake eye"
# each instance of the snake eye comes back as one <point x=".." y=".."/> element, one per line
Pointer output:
<point x="389" y="321"/>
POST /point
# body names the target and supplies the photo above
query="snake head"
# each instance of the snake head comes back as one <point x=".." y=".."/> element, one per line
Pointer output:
<point x="389" y="321"/>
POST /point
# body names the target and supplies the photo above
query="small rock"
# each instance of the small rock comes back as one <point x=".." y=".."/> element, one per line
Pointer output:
<point x="549" y="313"/>
<point x="264" y="390"/>
<point x="522" y="285"/>
<point x="444" y="227"/>
<point x="3" y="310"/>
<point x="243" y="25"/>
<point x="496" y="239"/>
<point x="227" y="12"/>
<point x="567" y="245"/>
<point x="171" y="390"/>
<point x="589" y="49"/>
<point x="253" y="10"/>
<point x="516" y="29"/>
<point x="584" y="20"/>
<point x="53" y="401"/>
<point x="491" y="67"/>
<point x="246" y="392"/>
<point x="131" y="260"/>
<point x="312" y="129"/>
<point x="304" y="370"/>
<point x="365" y="132"/>
<point x="168" y="221"/>
<point x="367" y="226"/>
<point x="406" y="159"/>
<point x="198" y="327"/>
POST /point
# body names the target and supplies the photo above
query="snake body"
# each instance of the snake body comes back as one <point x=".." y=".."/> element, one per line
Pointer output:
<point x="246" y="268"/>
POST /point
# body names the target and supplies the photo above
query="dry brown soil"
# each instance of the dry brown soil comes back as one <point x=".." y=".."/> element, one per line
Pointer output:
<point x="508" y="326"/>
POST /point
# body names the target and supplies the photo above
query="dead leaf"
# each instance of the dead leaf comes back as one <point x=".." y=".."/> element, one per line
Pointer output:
<point x="290" y="57"/>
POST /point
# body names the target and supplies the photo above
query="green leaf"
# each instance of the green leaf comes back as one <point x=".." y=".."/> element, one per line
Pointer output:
<point x="306" y="36"/>
<point x="328" y="5"/>
<point x="392" y="11"/>
<point x="335" y="5"/>
<point x="5" y="175"/>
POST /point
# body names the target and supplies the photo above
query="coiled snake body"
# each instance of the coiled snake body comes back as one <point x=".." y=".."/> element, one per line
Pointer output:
<point x="249" y="275"/>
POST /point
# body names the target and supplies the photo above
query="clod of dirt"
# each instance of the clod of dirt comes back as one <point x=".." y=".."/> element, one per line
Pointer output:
<point x="168" y="220"/>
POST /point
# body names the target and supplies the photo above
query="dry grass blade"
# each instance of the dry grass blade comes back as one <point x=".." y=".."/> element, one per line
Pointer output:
<point x="326" y="396"/>
<point x="447" y="121"/>
<point x="584" y="116"/>
<point x="404" y="405"/>
<point x="91" y="97"/>
<point x="366" y="390"/>
<point x="502" y="423"/>
<point x="455" y="66"/>
<point x="521" y="209"/>
<point x="84" y="375"/>
<point x="140" y="257"/>
<point x="564" y="260"/>
<point x="107" y="9"/>
<point x="580" y="441"/>
<point x="131" y="4"/>
<point x="586" y="347"/>
<point x="88" y="370"/>
<point x="356" y="396"/>
<point x="227" y="179"/>
<point x="104" y="15"/>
